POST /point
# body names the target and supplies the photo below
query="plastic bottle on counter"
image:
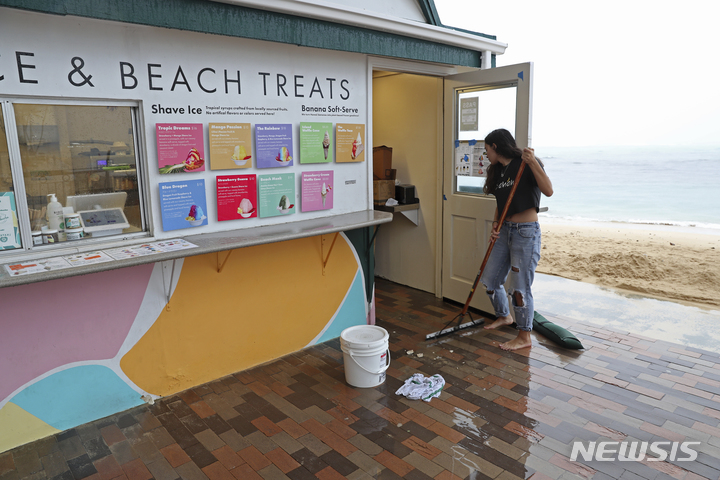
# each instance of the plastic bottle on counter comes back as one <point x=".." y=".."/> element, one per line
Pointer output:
<point x="54" y="213"/>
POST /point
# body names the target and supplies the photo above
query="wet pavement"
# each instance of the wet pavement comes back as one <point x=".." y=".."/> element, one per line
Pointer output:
<point x="502" y="415"/>
<point x="663" y="320"/>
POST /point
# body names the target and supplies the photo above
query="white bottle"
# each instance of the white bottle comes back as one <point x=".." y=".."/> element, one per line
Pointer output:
<point x="54" y="213"/>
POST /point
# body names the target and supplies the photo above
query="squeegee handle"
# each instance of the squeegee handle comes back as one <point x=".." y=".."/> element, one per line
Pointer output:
<point x="492" y="240"/>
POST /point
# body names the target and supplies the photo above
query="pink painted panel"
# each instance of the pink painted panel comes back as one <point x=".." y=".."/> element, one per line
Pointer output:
<point x="49" y="324"/>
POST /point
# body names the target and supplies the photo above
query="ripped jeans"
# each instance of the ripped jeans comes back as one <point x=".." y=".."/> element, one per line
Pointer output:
<point x="516" y="250"/>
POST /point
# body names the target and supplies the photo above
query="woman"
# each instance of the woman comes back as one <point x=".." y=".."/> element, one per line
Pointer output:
<point x="517" y="240"/>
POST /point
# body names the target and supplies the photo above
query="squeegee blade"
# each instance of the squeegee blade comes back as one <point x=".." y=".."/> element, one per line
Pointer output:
<point x="448" y="331"/>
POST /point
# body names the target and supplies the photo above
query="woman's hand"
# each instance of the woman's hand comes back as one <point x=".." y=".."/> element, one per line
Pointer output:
<point x="528" y="155"/>
<point x="495" y="232"/>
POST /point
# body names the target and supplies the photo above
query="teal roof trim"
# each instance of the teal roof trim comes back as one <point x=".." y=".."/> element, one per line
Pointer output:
<point x="236" y="21"/>
<point x="433" y="18"/>
<point x="430" y="12"/>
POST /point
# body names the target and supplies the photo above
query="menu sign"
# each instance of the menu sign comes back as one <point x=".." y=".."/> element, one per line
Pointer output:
<point x="236" y="197"/>
<point x="180" y="147"/>
<point x="273" y="143"/>
<point x="230" y="146"/>
<point x="350" y="142"/>
<point x="182" y="204"/>
<point x="316" y="143"/>
<point x="317" y="191"/>
<point x="276" y="194"/>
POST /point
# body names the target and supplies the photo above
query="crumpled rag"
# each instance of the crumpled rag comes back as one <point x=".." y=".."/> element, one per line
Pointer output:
<point x="419" y="387"/>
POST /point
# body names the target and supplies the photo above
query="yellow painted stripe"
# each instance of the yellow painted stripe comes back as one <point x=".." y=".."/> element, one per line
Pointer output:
<point x="268" y="301"/>
<point x="18" y="427"/>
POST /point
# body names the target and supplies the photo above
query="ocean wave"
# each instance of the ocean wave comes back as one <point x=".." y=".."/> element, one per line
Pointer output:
<point x="579" y="219"/>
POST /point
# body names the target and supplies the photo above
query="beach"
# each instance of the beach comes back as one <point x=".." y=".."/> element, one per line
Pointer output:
<point x="665" y="262"/>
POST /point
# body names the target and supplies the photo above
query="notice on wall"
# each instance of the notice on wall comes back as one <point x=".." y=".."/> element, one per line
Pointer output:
<point x="183" y="204"/>
<point x="350" y="139"/>
<point x="230" y="145"/>
<point x="236" y="197"/>
<point x="273" y="145"/>
<point x="180" y="147"/>
<point x="276" y="194"/>
<point x="469" y="114"/>
<point x="316" y="191"/>
<point x="9" y="231"/>
<point x="316" y="142"/>
<point x="471" y="159"/>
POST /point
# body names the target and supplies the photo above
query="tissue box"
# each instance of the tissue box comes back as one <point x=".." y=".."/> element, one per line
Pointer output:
<point x="382" y="190"/>
<point x="405" y="194"/>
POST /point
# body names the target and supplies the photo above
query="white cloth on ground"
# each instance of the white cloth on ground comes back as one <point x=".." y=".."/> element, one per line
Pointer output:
<point x="419" y="387"/>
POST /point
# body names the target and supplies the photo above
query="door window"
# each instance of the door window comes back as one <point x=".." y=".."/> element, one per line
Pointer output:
<point x="495" y="109"/>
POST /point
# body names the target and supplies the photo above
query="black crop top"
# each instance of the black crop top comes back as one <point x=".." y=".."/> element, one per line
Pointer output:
<point x="527" y="194"/>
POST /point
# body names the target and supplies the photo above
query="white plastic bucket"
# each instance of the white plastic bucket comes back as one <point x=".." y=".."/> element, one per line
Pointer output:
<point x="366" y="355"/>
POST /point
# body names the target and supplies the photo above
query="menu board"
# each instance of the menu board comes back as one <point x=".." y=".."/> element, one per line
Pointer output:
<point x="236" y="197"/>
<point x="180" y="147"/>
<point x="316" y="143"/>
<point x="183" y="204"/>
<point x="230" y="145"/>
<point x="350" y="139"/>
<point x="316" y="191"/>
<point x="274" y="145"/>
<point x="276" y="194"/>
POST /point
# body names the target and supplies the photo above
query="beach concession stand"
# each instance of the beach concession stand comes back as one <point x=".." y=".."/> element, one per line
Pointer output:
<point x="186" y="187"/>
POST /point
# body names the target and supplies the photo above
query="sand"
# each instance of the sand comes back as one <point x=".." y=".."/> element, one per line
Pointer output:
<point x="671" y="263"/>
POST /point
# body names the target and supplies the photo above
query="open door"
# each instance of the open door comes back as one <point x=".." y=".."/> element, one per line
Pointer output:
<point x="494" y="98"/>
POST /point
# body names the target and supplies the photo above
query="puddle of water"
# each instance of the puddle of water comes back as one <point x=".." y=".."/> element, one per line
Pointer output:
<point x="659" y="319"/>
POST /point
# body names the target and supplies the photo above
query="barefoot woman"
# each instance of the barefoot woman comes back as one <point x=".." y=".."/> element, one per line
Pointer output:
<point x="517" y="245"/>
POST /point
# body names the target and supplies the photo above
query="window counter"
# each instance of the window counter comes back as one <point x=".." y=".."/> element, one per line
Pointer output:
<point x="211" y="243"/>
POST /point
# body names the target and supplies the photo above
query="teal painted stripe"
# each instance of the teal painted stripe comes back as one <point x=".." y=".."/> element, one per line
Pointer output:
<point x="76" y="396"/>
<point x="351" y="313"/>
<point x="236" y="21"/>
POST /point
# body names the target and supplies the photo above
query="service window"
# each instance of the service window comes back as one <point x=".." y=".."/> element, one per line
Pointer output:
<point x="79" y="170"/>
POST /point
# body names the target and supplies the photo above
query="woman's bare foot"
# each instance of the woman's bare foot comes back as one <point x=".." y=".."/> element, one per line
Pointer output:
<point x="500" y="322"/>
<point x="523" y="340"/>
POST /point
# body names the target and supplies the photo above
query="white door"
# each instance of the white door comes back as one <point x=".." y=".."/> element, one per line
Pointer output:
<point x="494" y="98"/>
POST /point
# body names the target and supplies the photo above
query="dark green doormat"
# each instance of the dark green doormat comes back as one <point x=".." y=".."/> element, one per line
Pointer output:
<point x="556" y="333"/>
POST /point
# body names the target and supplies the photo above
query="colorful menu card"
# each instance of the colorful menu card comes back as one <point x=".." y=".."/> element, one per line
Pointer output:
<point x="236" y="197"/>
<point x="350" y="142"/>
<point x="183" y="204"/>
<point x="276" y="194"/>
<point x="230" y="145"/>
<point x="316" y="142"/>
<point x="180" y="147"/>
<point x="316" y="191"/>
<point x="273" y="145"/>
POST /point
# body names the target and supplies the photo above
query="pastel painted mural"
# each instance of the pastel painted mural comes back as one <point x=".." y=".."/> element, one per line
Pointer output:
<point x="268" y="300"/>
<point x="65" y="321"/>
<point x="79" y="395"/>
<point x="61" y="368"/>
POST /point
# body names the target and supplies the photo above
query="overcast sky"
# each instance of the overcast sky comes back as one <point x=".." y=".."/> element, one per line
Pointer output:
<point x="630" y="72"/>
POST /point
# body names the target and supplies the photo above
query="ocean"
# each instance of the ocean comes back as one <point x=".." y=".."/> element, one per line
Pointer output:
<point x="678" y="186"/>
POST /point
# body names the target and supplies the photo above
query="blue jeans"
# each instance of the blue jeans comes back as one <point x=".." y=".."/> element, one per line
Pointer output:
<point x="516" y="250"/>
